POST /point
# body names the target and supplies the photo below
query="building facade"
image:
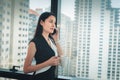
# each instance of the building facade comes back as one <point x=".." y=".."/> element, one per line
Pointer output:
<point x="33" y="18"/>
<point x="14" y="32"/>
<point x="97" y="50"/>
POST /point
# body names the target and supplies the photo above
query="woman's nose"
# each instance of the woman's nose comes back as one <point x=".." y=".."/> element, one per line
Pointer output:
<point x="53" y="25"/>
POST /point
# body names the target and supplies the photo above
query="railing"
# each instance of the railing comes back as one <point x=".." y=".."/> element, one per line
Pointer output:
<point x="6" y="73"/>
<point x="19" y="75"/>
<point x="14" y="74"/>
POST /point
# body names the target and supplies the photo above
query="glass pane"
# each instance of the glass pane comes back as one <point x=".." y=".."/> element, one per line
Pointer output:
<point x="90" y="38"/>
<point x="18" y="20"/>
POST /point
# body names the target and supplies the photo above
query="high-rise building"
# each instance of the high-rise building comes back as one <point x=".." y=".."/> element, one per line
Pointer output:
<point x="14" y="22"/>
<point x="39" y="10"/>
<point x="98" y="37"/>
<point x="113" y="63"/>
<point x="33" y="18"/>
<point x="66" y="42"/>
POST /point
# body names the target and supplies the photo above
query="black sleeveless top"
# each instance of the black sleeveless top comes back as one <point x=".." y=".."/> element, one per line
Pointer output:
<point x="43" y="53"/>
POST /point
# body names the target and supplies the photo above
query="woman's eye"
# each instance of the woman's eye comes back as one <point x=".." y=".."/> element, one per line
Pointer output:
<point x="51" y="21"/>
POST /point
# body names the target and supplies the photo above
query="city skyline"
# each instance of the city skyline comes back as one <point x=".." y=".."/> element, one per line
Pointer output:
<point x="67" y="10"/>
<point x="90" y="43"/>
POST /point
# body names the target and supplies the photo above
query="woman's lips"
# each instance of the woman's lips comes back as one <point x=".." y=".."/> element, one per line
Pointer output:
<point x="51" y="28"/>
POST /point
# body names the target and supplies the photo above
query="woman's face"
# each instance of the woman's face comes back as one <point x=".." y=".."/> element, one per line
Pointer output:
<point x="49" y="24"/>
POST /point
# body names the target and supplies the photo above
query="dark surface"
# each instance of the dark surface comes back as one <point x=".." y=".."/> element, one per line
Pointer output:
<point x="6" y="73"/>
<point x="14" y="74"/>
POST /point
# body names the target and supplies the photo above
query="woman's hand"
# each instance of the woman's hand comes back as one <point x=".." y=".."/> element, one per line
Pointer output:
<point x="56" y="35"/>
<point x="54" y="61"/>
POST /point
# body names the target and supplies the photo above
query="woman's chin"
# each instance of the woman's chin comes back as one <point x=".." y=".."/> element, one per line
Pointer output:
<point x="51" y="32"/>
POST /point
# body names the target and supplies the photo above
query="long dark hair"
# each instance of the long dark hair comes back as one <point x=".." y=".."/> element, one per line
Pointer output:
<point x="39" y="28"/>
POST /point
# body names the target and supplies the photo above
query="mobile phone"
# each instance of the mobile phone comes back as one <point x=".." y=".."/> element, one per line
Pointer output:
<point x="54" y="32"/>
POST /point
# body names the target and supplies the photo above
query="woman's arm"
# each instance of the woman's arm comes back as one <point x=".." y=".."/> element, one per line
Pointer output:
<point x="28" y="61"/>
<point x="28" y="67"/>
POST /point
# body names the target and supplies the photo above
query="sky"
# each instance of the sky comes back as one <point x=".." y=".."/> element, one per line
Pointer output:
<point x="116" y="3"/>
<point x="66" y="8"/>
<point x="39" y="4"/>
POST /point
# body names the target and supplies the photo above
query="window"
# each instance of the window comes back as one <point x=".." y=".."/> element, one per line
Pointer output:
<point x="14" y="29"/>
<point x="88" y="35"/>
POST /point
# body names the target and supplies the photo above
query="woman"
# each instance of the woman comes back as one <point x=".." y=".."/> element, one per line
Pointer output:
<point x="44" y="48"/>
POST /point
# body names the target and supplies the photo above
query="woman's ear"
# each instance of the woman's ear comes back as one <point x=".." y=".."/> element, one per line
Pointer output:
<point x="41" y="22"/>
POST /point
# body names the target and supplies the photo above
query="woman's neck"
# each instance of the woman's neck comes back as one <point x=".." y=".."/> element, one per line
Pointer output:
<point x="46" y="36"/>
